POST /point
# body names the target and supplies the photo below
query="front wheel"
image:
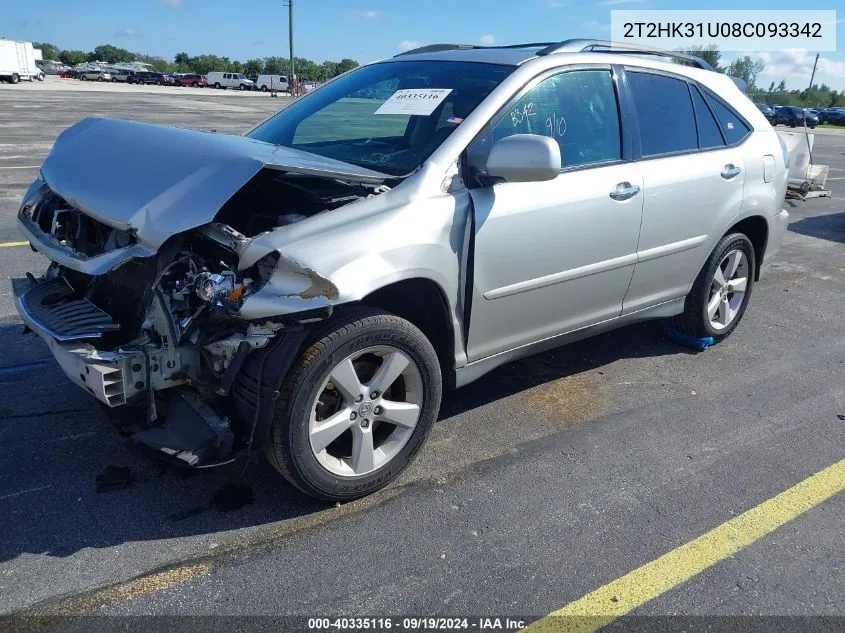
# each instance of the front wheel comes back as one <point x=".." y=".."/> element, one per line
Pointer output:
<point x="720" y="294"/>
<point x="15" y="78"/>
<point x="357" y="407"/>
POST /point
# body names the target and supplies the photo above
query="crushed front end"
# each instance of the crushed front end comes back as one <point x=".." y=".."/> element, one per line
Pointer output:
<point x="157" y="334"/>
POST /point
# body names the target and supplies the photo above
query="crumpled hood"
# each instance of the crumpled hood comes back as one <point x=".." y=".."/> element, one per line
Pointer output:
<point x="161" y="180"/>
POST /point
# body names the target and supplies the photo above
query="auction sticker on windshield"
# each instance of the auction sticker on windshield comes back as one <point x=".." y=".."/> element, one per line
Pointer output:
<point x="421" y="101"/>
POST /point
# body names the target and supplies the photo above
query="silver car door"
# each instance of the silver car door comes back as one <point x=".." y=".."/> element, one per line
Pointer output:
<point x="554" y="256"/>
<point x="694" y="181"/>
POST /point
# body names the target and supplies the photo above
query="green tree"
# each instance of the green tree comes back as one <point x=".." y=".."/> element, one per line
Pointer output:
<point x="747" y="69"/>
<point x="48" y="51"/>
<point x="254" y="67"/>
<point x="709" y="53"/>
<point x="346" y="65"/>
<point x="111" y="54"/>
<point x="277" y="66"/>
<point x="71" y="58"/>
<point x="782" y="86"/>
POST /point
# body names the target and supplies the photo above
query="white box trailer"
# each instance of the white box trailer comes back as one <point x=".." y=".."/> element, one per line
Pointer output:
<point x="17" y="61"/>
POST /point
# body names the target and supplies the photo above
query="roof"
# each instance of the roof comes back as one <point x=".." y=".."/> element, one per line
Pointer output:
<point x="517" y="54"/>
<point x="488" y="55"/>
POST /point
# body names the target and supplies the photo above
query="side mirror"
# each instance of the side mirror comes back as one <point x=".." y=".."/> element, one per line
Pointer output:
<point x="524" y="158"/>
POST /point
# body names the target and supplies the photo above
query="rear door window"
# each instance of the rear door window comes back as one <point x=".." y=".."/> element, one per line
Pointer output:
<point x="665" y="114"/>
<point x="709" y="134"/>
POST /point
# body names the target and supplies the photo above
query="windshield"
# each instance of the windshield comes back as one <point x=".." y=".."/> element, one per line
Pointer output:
<point x="388" y="117"/>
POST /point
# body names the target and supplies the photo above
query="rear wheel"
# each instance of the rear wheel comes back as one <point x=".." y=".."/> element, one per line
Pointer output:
<point x="15" y="78"/>
<point x="263" y="88"/>
<point x="357" y="406"/>
<point x="194" y="85"/>
<point x="720" y="294"/>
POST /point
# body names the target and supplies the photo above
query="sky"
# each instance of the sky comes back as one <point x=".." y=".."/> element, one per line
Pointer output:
<point x="364" y="30"/>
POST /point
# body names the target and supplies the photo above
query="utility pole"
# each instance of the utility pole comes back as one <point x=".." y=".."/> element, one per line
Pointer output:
<point x="292" y="78"/>
<point x="813" y="76"/>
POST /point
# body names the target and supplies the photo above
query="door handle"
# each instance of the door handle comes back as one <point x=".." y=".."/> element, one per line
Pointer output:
<point x="731" y="171"/>
<point x="624" y="191"/>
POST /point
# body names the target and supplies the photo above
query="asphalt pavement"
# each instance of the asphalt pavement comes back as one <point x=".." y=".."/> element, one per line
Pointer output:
<point x="542" y="482"/>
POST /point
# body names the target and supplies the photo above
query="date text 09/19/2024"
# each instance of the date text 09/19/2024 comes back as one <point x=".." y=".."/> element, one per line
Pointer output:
<point x="416" y="624"/>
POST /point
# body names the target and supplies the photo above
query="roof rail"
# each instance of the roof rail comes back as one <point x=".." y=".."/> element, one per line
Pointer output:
<point x="436" y="48"/>
<point x="606" y="46"/>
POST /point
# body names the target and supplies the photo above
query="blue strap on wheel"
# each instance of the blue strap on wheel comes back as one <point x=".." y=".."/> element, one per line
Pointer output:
<point x="686" y="340"/>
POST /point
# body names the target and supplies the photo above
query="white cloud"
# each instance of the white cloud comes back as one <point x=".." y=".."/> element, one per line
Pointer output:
<point x="487" y="40"/>
<point x="406" y="45"/>
<point x="127" y="33"/>
<point x="795" y="67"/>
<point x="368" y="14"/>
<point x="175" y="4"/>
<point x="595" y="25"/>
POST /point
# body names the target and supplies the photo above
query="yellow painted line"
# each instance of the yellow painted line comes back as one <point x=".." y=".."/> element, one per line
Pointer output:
<point x="9" y="244"/>
<point x="621" y="596"/>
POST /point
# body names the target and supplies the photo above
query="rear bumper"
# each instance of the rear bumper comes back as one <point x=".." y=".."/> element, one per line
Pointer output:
<point x="778" y="226"/>
<point x="112" y="377"/>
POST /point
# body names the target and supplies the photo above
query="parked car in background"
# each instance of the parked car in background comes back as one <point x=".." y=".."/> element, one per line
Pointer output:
<point x="67" y="73"/>
<point x="188" y="79"/>
<point x="271" y="82"/>
<point x="767" y="111"/>
<point x="230" y="80"/>
<point x="835" y="116"/>
<point x="94" y="75"/>
<point x="532" y="199"/>
<point x="122" y="75"/>
<point x="152" y="77"/>
<point x="795" y="116"/>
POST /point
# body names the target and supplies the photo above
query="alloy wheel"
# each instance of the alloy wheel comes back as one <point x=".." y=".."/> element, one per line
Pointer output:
<point x="727" y="289"/>
<point x="366" y="410"/>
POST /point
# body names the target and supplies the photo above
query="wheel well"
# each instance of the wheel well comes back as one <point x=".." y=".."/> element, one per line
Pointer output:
<point x="423" y="303"/>
<point x="757" y="230"/>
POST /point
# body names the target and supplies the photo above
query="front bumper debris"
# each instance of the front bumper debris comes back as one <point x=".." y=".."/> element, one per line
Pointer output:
<point x="67" y="324"/>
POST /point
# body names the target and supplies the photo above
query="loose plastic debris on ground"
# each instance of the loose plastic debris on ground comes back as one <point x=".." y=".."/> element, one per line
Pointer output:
<point x="689" y="341"/>
<point x="114" y="478"/>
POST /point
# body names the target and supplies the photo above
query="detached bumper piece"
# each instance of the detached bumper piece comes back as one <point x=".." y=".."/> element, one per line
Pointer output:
<point x="53" y="305"/>
<point x="192" y="434"/>
<point x="68" y="324"/>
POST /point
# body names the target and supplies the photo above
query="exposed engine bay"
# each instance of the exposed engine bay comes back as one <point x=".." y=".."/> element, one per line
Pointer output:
<point x="164" y="334"/>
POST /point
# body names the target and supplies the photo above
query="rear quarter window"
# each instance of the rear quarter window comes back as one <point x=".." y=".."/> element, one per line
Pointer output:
<point x="733" y="126"/>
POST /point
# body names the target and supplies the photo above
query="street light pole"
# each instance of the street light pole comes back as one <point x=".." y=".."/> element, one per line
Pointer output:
<point x="292" y="79"/>
<point x="813" y="76"/>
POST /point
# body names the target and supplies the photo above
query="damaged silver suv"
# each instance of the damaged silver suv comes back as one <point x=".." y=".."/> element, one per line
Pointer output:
<point x="311" y="287"/>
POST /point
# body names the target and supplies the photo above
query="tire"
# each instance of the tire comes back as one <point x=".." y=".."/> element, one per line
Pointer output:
<point x="263" y="88"/>
<point x="40" y="77"/>
<point x="217" y="85"/>
<point x="696" y="319"/>
<point x="83" y="78"/>
<point x="113" y="80"/>
<point x="288" y="439"/>
<point x="158" y="83"/>
<point x="15" y="78"/>
<point x="100" y="79"/>
<point x="195" y="85"/>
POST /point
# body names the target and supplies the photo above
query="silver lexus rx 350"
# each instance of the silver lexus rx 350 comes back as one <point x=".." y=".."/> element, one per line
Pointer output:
<point x="311" y="288"/>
